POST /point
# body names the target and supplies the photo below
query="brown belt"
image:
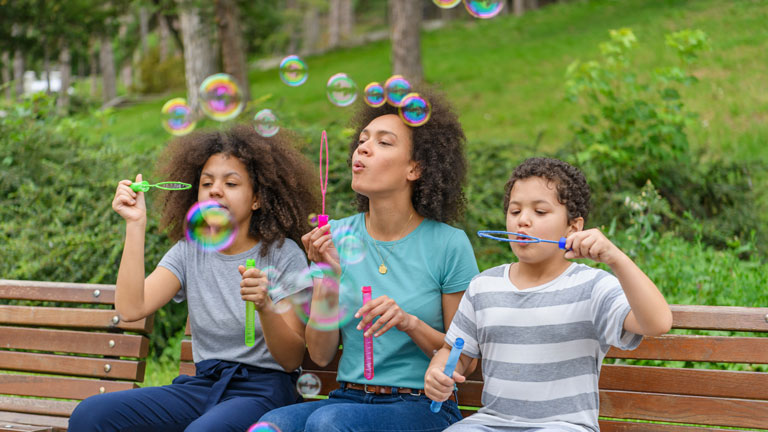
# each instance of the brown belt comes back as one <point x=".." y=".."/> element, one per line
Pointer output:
<point x="388" y="390"/>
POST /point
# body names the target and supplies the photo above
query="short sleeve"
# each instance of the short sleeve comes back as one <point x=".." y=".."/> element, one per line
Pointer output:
<point x="174" y="260"/>
<point x="609" y="310"/>
<point x="464" y="326"/>
<point x="460" y="264"/>
<point x="291" y="265"/>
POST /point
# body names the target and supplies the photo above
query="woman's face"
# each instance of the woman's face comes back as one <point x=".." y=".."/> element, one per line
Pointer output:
<point x="382" y="164"/>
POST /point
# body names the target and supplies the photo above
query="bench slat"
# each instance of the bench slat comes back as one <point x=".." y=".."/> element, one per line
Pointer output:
<point x="73" y="365"/>
<point x="73" y="342"/>
<point x="57" y="423"/>
<point x="15" y="427"/>
<point x="693" y="382"/>
<point x="70" y="317"/>
<point x="684" y="409"/>
<point x="719" y="318"/>
<point x="58" y="387"/>
<point x="57" y="291"/>
<point x="186" y="351"/>
<point x="186" y="368"/>
<point x="623" y="426"/>
<point x="37" y="406"/>
<point x="699" y="348"/>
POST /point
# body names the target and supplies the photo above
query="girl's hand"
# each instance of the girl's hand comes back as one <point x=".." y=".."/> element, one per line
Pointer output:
<point x="129" y="204"/>
<point x="320" y="248"/>
<point x="594" y="245"/>
<point x="389" y="313"/>
<point x="437" y="385"/>
<point x="255" y="287"/>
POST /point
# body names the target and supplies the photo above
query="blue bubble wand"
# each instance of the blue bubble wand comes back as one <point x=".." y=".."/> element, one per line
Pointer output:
<point x="450" y="366"/>
<point x="518" y="238"/>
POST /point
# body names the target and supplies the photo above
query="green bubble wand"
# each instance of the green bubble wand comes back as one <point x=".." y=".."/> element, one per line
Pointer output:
<point x="250" y="312"/>
<point x="143" y="186"/>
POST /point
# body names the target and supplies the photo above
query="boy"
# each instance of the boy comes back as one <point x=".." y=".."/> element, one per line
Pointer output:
<point x="543" y="325"/>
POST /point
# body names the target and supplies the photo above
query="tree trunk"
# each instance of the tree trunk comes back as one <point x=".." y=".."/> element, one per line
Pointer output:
<point x="126" y="75"/>
<point x="292" y="20"/>
<point x="143" y="28"/>
<point x="65" y="66"/>
<point x="94" y="73"/>
<point x="518" y="7"/>
<point x="404" y="30"/>
<point x="311" y="30"/>
<point x="107" y="66"/>
<point x="346" y="20"/>
<point x="165" y="35"/>
<point x="18" y="72"/>
<point x="46" y="67"/>
<point x="334" y="22"/>
<point x="198" y="52"/>
<point x="531" y="4"/>
<point x="232" y="44"/>
<point x="6" y="60"/>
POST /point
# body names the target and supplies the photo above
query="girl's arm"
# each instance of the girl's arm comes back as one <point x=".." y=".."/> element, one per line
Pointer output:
<point x="322" y="344"/>
<point x="136" y="298"/>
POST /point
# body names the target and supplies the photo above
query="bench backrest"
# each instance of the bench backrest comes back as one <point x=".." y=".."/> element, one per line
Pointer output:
<point x="695" y="391"/>
<point x="55" y="349"/>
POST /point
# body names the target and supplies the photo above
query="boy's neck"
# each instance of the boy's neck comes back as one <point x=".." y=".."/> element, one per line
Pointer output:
<point x="528" y="275"/>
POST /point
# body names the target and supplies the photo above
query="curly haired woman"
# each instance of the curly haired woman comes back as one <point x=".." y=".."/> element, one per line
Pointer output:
<point x="408" y="183"/>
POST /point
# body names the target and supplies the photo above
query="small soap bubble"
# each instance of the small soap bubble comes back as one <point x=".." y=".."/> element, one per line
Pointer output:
<point x="349" y="245"/>
<point x="484" y="8"/>
<point x="210" y="226"/>
<point x="341" y="90"/>
<point x="395" y="89"/>
<point x="177" y="117"/>
<point x="414" y="110"/>
<point x="312" y="219"/>
<point x="277" y="289"/>
<point x="220" y="97"/>
<point x="446" y="4"/>
<point x="374" y="95"/>
<point x="326" y="313"/>
<point x="265" y="123"/>
<point x="309" y="384"/>
<point x="263" y="427"/>
<point x="293" y="71"/>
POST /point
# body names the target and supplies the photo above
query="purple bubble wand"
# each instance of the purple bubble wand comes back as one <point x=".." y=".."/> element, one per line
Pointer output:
<point x="367" y="340"/>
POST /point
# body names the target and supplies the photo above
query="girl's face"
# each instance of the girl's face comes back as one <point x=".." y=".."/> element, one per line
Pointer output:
<point x="535" y="210"/>
<point x="225" y="180"/>
<point x="382" y="164"/>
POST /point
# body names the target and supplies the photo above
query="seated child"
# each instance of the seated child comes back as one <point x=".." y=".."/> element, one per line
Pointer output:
<point x="543" y="325"/>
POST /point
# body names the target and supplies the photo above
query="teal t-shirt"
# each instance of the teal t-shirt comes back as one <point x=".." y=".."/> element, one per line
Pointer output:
<point x="432" y="260"/>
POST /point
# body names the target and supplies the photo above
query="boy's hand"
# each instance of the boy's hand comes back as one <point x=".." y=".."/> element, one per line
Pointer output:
<point x="255" y="287"/>
<point x="129" y="204"/>
<point x="594" y="245"/>
<point x="320" y="248"/>
<point x="437" y="385"/>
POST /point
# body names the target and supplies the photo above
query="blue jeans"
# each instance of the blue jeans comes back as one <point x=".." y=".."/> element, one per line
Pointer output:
<point x="357" y="411"/>
<point x="223" y="396"/>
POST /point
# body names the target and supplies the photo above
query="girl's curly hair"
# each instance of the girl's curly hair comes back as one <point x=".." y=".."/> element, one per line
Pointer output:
<point x="572" y="187"/>
<point x="438" y="148"/>
<point x="281" y="178"/>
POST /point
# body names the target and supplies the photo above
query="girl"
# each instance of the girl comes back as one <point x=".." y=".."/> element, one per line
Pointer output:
<point x="408" y="185"/>
<point x="265" y="185"/>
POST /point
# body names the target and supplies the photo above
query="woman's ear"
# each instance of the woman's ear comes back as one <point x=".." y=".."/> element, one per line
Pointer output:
<point x="575" y="225"/>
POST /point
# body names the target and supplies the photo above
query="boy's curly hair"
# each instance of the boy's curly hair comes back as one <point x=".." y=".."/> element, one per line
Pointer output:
<point x="438" y="148"/>
<point x="281" y="178"/>
<point x="572" y="187"/>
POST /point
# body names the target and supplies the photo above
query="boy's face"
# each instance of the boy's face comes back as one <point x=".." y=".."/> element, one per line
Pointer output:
<point x="535" y="210"/>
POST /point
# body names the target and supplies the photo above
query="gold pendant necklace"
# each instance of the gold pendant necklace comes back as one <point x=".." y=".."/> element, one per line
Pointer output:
<point x="383" y="267"/>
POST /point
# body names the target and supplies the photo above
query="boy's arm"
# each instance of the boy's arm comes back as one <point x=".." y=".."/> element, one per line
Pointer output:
<point x="437" y="385"/>
<point x="650" y="314"/>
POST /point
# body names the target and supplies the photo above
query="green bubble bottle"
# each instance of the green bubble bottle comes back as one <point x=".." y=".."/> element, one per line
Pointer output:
<point x="250" y="313"/>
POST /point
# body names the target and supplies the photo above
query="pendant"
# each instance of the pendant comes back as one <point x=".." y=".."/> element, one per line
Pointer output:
<point x="383" y="269"/>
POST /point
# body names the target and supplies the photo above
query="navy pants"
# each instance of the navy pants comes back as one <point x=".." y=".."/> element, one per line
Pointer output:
<point x="223" y="396"/>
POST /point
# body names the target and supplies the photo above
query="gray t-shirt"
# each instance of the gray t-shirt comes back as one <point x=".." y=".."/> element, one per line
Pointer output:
<point x="210" y="282"/>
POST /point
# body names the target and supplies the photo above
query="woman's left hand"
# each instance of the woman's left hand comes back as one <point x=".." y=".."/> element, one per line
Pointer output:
<point x="389" y="313"/>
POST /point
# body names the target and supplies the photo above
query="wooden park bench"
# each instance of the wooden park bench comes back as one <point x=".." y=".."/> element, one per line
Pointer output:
<point x="686" y="399"/>
<point x="54" y="353"/>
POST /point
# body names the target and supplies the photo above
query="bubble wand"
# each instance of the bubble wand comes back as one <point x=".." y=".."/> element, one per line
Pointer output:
<point x="322" y="219"/>
<point x="450" y="366"/>
<point x="523" y="238"/>
<point x="367" y="340"/>
<point x="250" y="312"/>
<point x="143" y="186"/>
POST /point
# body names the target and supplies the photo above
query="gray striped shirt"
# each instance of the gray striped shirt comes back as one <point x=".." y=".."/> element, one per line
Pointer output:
<point x="542" y="347"/>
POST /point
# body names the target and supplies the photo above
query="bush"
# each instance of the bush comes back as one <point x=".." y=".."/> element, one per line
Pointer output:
<point x="155" y="76"/>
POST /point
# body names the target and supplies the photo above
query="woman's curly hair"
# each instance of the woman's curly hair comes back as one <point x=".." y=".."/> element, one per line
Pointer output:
<point x="438" y="148"/>
<point x="280" y="175"/>
<point x="572" y="187"/>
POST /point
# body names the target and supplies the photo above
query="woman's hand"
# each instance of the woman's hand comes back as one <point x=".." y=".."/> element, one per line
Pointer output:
<point x="255" y="287"/>
<point x="320" y="248"/>
<point x="389" y="313"/>
<point x="129" y="204"/>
